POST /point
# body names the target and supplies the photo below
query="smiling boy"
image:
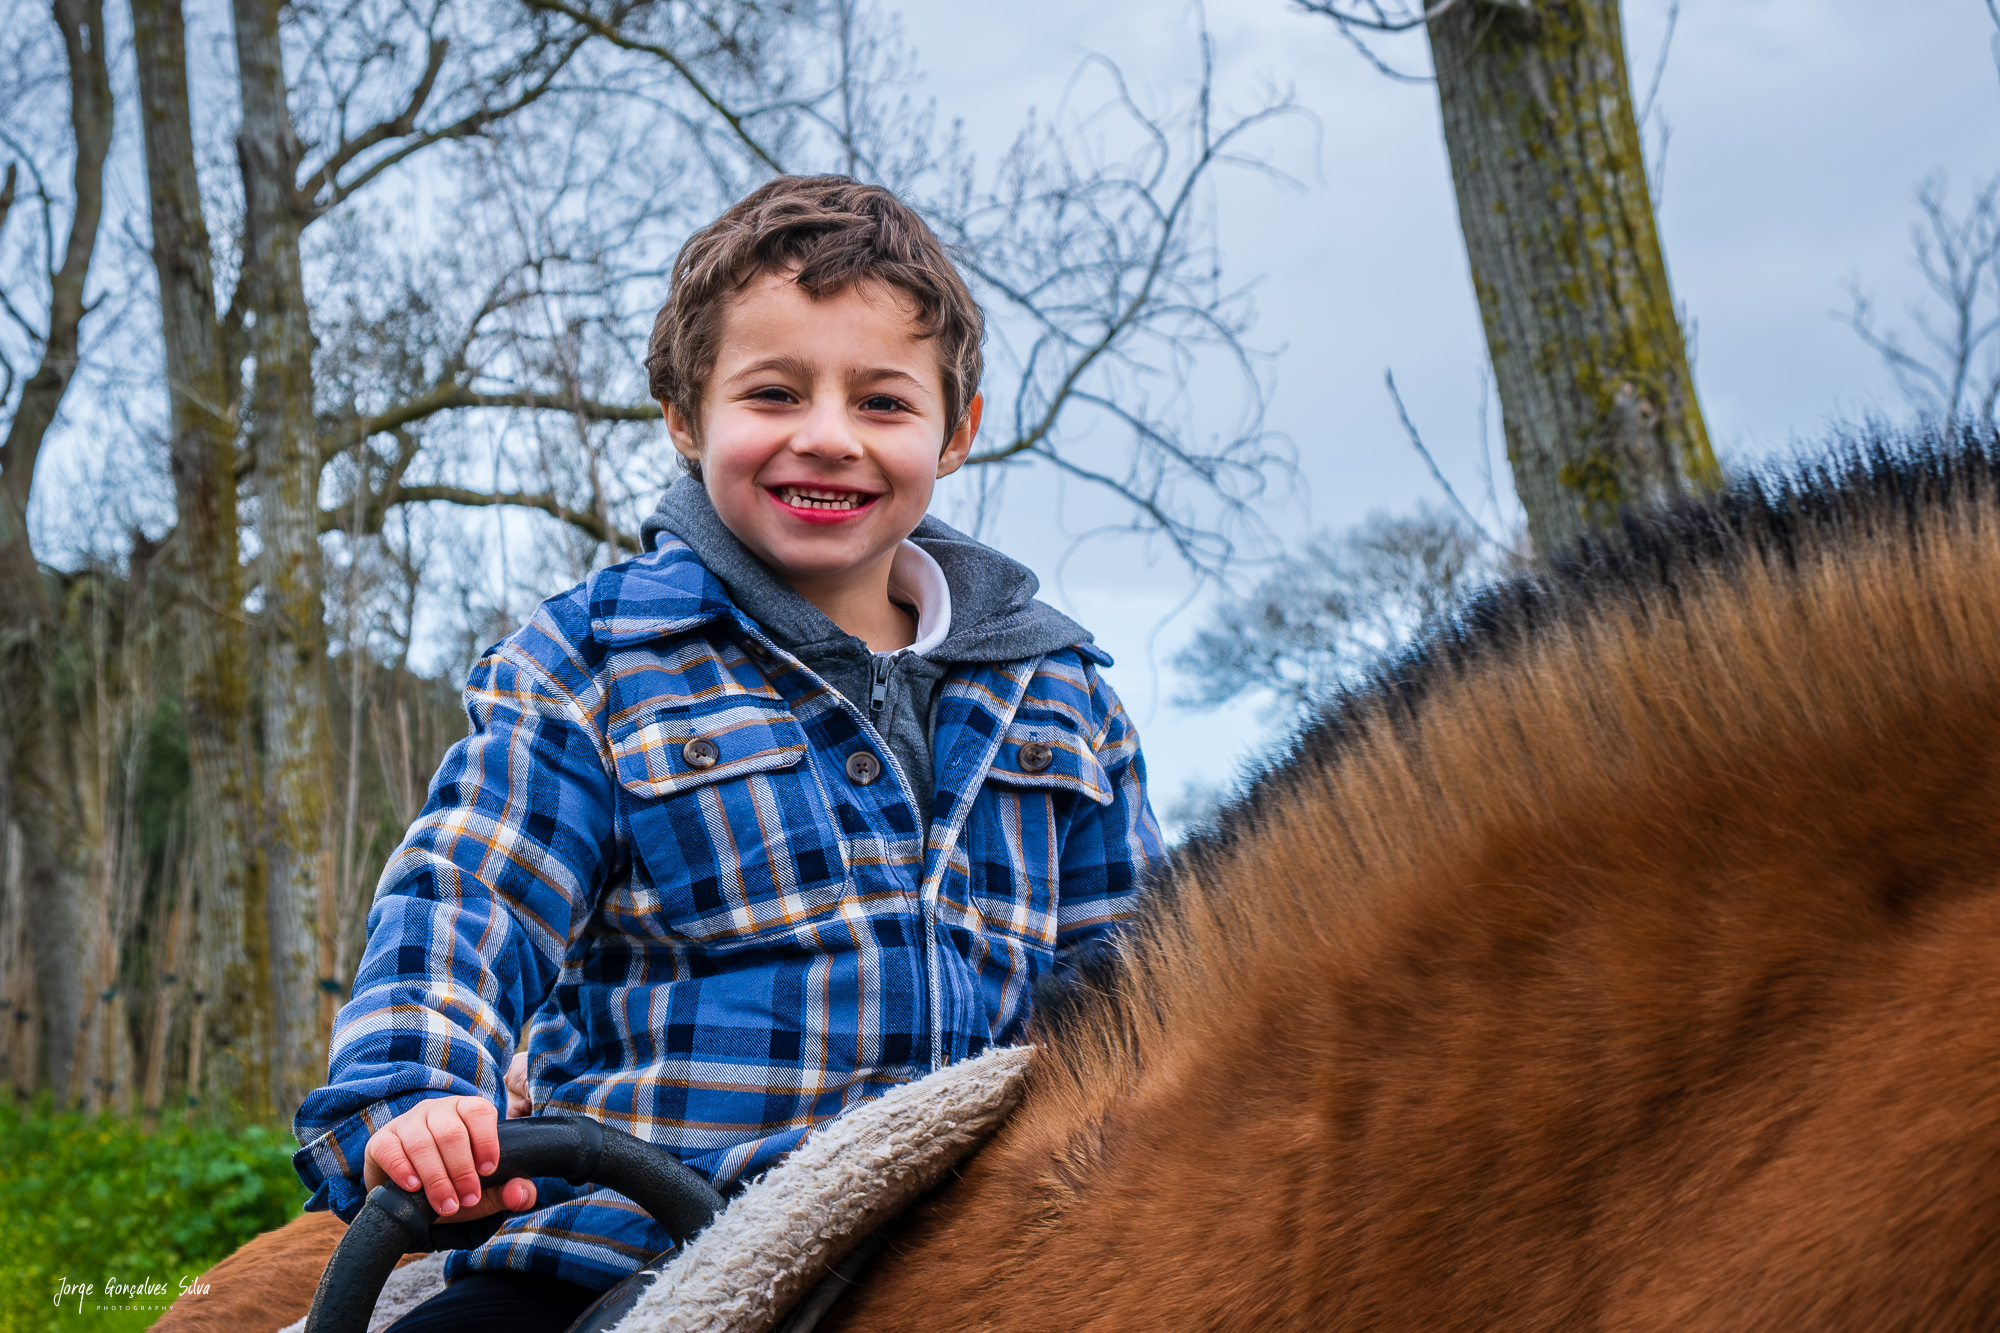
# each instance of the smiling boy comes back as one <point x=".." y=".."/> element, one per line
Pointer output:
<point x="793" y="808"/>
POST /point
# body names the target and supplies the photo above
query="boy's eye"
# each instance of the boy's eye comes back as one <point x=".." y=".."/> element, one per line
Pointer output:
<point x="772" y="393"/>
<point x="881" y="402"/>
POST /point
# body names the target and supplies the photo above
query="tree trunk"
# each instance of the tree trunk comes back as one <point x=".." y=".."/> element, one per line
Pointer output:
<point x="232" y="965"/>
<point x="166" y="988"/>
<point x="298" y="733"/>
<point x="40" y="795"/>
<point x="1595" y="391"/>
<point x="17" y="980"/>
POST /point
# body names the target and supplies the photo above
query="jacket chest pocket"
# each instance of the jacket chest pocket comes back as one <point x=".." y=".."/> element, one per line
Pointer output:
<point x="1043" y="774"/>
<point x="732" y="841"/>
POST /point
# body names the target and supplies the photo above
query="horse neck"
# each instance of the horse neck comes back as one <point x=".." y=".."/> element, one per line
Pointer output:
<point x="1502" y="1016"/>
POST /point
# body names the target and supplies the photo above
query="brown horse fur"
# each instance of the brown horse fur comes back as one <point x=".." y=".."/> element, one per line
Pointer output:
<point x="263" y="1286"/>
<point x="1623" y="959"/>
<point x="1626" y="958"/>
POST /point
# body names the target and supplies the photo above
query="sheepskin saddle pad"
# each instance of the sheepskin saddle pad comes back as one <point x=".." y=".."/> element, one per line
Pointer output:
<point x="773" y="1244"/>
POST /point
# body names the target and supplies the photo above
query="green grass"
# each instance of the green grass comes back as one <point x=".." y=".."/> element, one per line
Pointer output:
<point x="97" y="1201"/>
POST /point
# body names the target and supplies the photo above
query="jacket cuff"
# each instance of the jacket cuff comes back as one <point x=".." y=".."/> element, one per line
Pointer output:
<point x="330" y="1165"/>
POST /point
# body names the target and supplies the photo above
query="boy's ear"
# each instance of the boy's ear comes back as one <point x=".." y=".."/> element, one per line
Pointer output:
<point x="960" y="444"/>
<point x="679" y="431"/>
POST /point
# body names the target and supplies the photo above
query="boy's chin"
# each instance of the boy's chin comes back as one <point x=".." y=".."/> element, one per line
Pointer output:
<point x="827" y="570"/>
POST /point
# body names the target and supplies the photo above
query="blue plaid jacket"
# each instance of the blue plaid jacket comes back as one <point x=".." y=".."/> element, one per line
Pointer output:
<point x="715" y="958"/>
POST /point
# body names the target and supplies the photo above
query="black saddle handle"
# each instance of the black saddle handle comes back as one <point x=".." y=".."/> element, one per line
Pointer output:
<point x="396" y="1221"/>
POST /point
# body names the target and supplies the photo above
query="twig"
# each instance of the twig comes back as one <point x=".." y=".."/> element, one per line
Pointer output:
<point x="459" y="495"/>
<point x="1389" y="378"/>
<point x="1380" y="23"/>
<point x="1660" y="66"/>
<point x="591" y="22"/>
<point x="450" y="396"/>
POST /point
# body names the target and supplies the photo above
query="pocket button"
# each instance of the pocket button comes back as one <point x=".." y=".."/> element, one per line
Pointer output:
<point x="1036" y="756"/>
<point x="700" y="753"/>
<point x="863" y="768"/>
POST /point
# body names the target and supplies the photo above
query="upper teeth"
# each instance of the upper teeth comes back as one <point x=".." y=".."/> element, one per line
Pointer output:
<point x="815" y="499"/>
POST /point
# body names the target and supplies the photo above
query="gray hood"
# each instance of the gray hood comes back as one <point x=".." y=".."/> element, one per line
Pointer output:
<point x="994" y="614"/>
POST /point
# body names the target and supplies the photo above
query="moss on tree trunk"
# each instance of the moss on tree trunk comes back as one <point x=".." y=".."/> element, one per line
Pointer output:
<point x="1595" y="391"/>
<point x="39" y="783"/>
<point x="298" y="735"/>
<point x="232" y="963"/>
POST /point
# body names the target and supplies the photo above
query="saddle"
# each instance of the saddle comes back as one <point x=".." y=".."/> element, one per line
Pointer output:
<point x="784" y="1249"/>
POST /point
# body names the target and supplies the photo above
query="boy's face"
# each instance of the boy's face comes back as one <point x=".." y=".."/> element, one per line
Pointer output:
<point x="822" y="433"/>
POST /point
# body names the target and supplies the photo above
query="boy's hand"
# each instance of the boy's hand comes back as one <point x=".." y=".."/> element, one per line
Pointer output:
<point x="445" y="1144"/>
<point x="516" y="1084"/>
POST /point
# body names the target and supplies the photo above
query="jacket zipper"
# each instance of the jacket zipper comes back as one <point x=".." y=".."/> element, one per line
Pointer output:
<point x="927" y="907"/>
<point x="878" y="689"/>
<point x="927" y="912"/>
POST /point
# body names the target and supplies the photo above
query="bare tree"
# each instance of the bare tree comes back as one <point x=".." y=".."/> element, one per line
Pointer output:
<point x="1099" y="269"/>
<point x="1320" y="617"/>
<point x="1597" y="396"/>
<point x="48" y="317"/>
<point x="380" y="84"/>
<point x="1953" y="368"/>
<point x="1109" y="289"/>
<point x="338" y="356"/>
<point x="232" y="983"/>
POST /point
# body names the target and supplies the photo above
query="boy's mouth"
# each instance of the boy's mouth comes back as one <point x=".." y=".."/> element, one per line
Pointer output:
<point x="822" y="500"/>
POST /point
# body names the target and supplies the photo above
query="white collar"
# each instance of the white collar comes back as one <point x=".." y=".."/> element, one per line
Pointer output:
<point x="915" y="580"/>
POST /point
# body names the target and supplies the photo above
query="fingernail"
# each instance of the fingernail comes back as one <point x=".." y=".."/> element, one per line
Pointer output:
<point x="486" y="1168"/>
<point x="409" y="1182"/>
<point x="469" y="1199"/>
<point x="450" y="1206"/>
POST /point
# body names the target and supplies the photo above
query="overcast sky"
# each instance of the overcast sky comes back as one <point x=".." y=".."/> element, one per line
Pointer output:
<point x="1800" y="130"/>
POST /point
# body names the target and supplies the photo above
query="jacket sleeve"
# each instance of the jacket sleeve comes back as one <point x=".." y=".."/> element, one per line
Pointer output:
<point x="1108" y="848"/>
<point x="474" y="911"/>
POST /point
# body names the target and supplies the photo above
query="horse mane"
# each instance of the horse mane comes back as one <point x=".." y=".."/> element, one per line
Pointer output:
<point x="1621" y="956"/>
<point x="1706" y="679"/>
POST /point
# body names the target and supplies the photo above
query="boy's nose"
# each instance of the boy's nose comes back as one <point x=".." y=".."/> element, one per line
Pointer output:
<point x="827" y="432"/>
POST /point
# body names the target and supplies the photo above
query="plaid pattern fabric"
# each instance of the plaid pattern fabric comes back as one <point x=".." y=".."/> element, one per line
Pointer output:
<point x="715" y="956"/>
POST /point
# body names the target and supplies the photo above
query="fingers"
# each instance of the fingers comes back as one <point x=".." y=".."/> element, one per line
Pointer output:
<point x="385" y="1162"/>
<point x="482" y="1124"/>
<point x="515" y="1196"/>
<point x="516" y="1081"/>
<point x="442" y="1146"/>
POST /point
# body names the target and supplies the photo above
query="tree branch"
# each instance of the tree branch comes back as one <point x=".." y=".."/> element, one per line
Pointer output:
<point x="1382" y="23"/>
<point x="402" y="126"/>
<point x="1206" y="552"/>
<point x="452" y="396"/>
<point x="1170" y="222"/>
<point x="591" y="23"/>
<point x="91" y="110"/>
<point x="333" y="520"/>
<point x="7" y="193"/>
<point x="1660" y="66"/>
<point x="1409" y="428"/>
<point x="324" y="178"/>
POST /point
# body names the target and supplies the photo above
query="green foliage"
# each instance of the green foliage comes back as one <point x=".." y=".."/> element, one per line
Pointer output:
<point x="96" y="1201"/>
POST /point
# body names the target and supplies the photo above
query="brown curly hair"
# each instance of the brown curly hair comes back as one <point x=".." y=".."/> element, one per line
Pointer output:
<point x="829" y="233"/>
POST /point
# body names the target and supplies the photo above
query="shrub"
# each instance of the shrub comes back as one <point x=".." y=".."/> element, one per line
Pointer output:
<point x="96" y="1201"/>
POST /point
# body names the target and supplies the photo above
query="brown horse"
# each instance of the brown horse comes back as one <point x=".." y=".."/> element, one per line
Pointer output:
<point x="1625" y="957"/>
<point x="1628" y="958"/>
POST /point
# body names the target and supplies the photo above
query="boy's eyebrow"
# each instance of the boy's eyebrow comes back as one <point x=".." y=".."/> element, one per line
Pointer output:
<point x="784" y="365"/>
<point x="879" y="373"/>
<point x="795" y="368"/>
